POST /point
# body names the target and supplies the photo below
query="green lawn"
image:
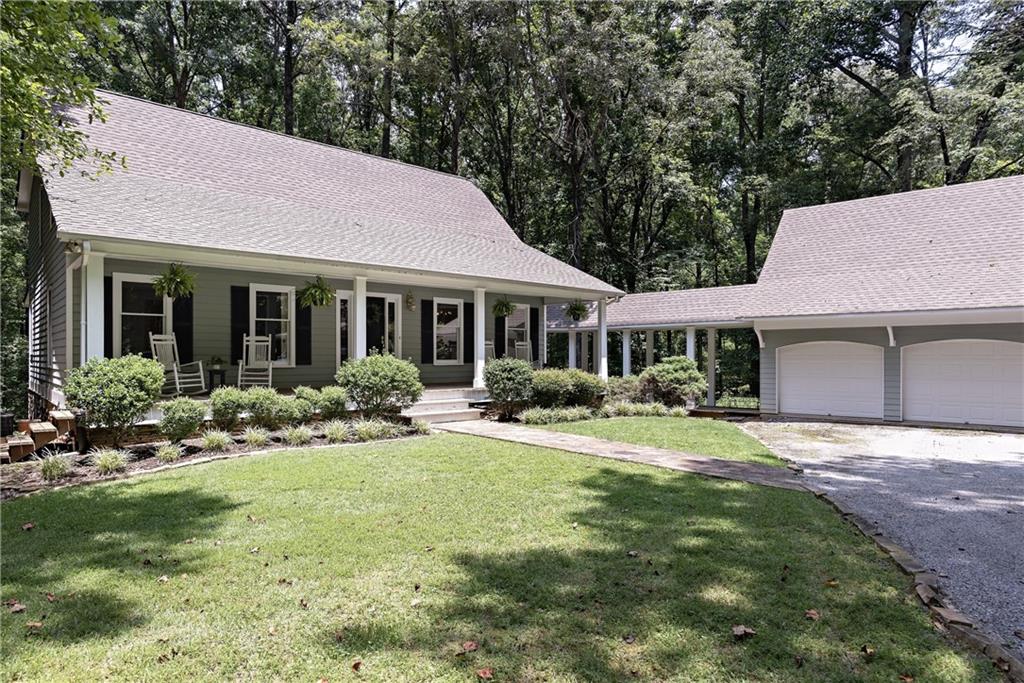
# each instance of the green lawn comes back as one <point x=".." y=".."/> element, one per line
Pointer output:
<point x="694" y="435"/>
<point x="295" y="565"/>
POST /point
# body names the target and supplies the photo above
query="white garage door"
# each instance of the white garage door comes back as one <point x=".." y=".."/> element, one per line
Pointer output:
<point x="843" y="379"/>
<point x="964" y="381"/>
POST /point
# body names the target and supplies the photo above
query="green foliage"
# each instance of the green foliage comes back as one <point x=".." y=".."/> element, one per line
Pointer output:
<point x="551" y="388"/>
<point x="255" y="437"/>
<point x="176" y="282"/>
<point x="226" y="405"/>
<point x="509" y="383"/>
<point x="266" y="407"/>
<point x="372" y="430"/>
<point x="626" y="409"/>
<point x="546" y="416"/>
<point x="586" y="388"/>
<point x="674" y="381"/>
<point x="333" y="403"/>
<point x="182" y="417"/>
<point x="625" y="389"/>
<point x="168" y="453"/>
<point x="54" y="467"/>
<point x="295" y="410"/>
<point x="577" y="310"/>
<point x="308" y="394"/>
<point x="217" y="440"/>
<point x="298" y="435"/>
<point x="380" y="384"/>
<point x="503" y="308"/>
<point x="315" y="293"/>
<point x="115" y="392"/>
<point x="337" y="431"/>
<point x="109" y="460"/>
<point x="420" y="427"/>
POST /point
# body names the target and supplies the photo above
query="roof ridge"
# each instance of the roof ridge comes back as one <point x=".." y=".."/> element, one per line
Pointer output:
<point x="286" y="135"/>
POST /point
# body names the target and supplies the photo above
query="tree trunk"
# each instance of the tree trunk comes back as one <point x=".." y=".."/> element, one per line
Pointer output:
<point x="389" y="67"/>
<point x="288" y="91"/>
<point x="909" y="13"/>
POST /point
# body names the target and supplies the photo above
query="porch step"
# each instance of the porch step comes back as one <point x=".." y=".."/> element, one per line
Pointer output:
<point x="443" y="416"/>
<point x="63" y="420"/>
<point x="447" y="394"/>
<point x="440" y="405"/>
<point x="42" y="433"/>
<point x="20" y="446"/>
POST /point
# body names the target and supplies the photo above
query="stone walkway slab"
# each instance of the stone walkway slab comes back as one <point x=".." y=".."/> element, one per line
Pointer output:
<point x="752" y="473"/>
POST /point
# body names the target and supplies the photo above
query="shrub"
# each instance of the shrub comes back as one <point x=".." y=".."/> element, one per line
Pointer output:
<point x="168" y="453"/>
<point x="333" y="403"/>
<point x="266" y="407"/>
<point x="627" y="409"/>
<point x="216" y="440"/>
<point x="294" y="411"/>
<point x="674" y="381"/>
<point x="182" y="417"/>
<point x="551" y="388"/>
<point x="625" y="389"/>
<point x="371" y="430"/>
<point x="54" y="467"/>
<point x="546" y="416"/>
<point x="256" y="436"/>
<point x="380" y="384"/>
<point x="586" y="388"/>
<point x="299" y="435"/>
<point x="308" y="394"/>
<point x="337" y="431"/>
<point x="109" y="460"/>
<point x="678" y="411"/>
<point x="509" y="382"/>
<point x="226" y="405"/>
<point x="420" y="427"/>
<point x="115" y="392"/>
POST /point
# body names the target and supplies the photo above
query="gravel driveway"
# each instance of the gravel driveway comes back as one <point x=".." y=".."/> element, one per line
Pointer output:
<point x="954" y="499"/>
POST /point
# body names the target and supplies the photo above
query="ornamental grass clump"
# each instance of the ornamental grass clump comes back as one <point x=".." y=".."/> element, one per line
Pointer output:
<point x="627" y="409"/>
<point x="372" y="430"/>
<point x="298" y="435"/>
<point x="255" y="437"/>
<point x="168" y="453"/>
<point x="217" y="440"/>
<point x="420" y="427"/>
<point x="109" y="460"/>
<point x="54" y="467"/>
<point x="546" y="416"/>
<point x="182" y="418"/>
<point x="337" y="431"/>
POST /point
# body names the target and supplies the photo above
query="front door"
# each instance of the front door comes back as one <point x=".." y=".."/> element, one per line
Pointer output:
<point x="382" y="325"/>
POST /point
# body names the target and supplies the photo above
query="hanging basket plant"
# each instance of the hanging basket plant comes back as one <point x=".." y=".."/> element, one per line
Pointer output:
<point x="503" y="308"/>
<point x="316" y="293"/>
<point x="177" y="282"/>
<point x="577" y="310"/>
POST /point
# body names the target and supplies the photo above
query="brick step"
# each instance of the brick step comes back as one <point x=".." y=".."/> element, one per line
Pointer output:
<point x="444" y="416"/>
<point x="42" y="433"/>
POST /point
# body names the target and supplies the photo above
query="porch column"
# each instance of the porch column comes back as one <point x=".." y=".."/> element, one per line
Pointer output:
<point x="691" y="343"/>
<point x="479" y="318"/>
<point x="711" y="367"/>
<point x="585" y="351"/>
<point x="649" y="361"/>
<point x="602" y="339"/>
<point x="572" y="348"/>
<point x="92" y="307"/>
<point x="359" y="301"/>
<point x="627" y="353"/>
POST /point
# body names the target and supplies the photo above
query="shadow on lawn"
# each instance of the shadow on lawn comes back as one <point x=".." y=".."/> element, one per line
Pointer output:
<point x="666" y="567"/>
<point x="122" y="529"/>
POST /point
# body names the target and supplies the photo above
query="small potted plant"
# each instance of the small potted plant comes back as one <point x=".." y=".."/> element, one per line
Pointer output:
<point x="216" y="363"/>
<point x="577" y="310"/>
<point x="503" y="308"/>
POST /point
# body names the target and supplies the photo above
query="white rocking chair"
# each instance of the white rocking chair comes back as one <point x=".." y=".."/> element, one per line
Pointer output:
<point x="524" y="351"/>
<point x="179" y="378"/>
<point x="255" y="368"/>
<point x="488" y="351"/>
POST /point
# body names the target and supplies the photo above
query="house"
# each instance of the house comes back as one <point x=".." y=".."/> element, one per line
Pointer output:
<point x="906" y="308"/>
<point x="416" y="258"/>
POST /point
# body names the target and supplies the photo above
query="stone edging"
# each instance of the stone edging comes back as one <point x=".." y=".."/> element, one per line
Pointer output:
<point x="926" y="587"/>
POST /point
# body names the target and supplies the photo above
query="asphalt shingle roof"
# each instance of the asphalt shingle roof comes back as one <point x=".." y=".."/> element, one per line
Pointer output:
<point x="198" y="181"/>
<point x="656" y="309"/>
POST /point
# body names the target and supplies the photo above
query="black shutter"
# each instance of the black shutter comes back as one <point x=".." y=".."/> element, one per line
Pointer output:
<point x="181" y="312"/>
<point x="427" y="331"/>
<point x="467" y="332"/>
<point x="108" y="317"/>
<point x="535" y="332"/>
<point x="499" y="336"/>
<point x="239" y="321"/>
<point x="304" y="336"/>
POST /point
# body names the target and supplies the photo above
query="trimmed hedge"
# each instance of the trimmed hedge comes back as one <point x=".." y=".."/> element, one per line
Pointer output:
<point x="674" y="381"/>
<point x="115" y="392"/>
<point x="226" y="407"/>
<point x="380" y="384"/>
<point x="182" y="418"/>
<point x="509" y="382"/>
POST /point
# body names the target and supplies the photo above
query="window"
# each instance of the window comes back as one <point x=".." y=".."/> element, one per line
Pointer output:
<point x="273" y="315"/>
<point x="138" y="310"/>
<point x="447" y="331"/>
<point x="517" y="329"/>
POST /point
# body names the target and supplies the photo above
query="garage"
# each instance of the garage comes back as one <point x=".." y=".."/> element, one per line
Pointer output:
<point x="964" y="381"/>
<point x="840" y="379"/>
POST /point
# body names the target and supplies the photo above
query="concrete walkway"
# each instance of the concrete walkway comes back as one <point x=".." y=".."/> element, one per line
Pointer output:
<point x="752" y="473"/>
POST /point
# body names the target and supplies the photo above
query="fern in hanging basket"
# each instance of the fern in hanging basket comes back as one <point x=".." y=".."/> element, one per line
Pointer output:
<point x="316" y="293"/>
<point x="577" y="310"/>
<point x="177" y="282"/>
<point x="503" y="308"/>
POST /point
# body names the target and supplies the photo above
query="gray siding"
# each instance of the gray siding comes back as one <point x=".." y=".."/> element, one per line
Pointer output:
<point x="212" y="321"/>
<point x="903" y="336"/>
<point x="45" y="267"/>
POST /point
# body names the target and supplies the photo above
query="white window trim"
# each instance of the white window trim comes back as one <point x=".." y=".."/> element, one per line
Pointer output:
<point x="339" y="296"/>
<point x="529" y="338"/>
<point x="460" y="304"/>
<point x="282" y="289"/>
<point x="116" y="300"/>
